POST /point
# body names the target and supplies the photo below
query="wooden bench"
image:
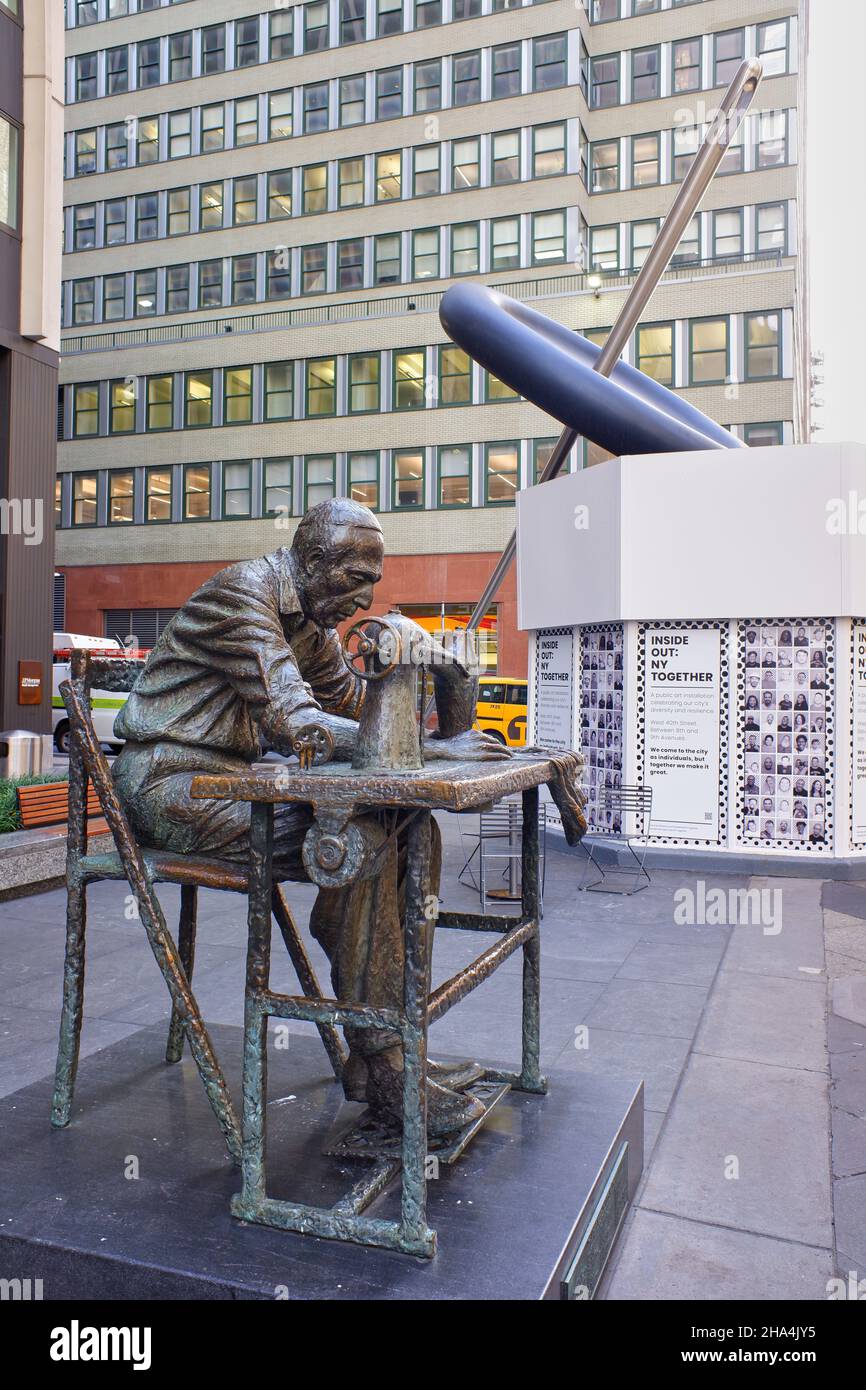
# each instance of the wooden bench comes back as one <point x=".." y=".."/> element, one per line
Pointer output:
<point x="47" y="803"/>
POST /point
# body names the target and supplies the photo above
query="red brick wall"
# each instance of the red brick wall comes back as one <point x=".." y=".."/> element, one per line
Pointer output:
<point x="407" y="579"/>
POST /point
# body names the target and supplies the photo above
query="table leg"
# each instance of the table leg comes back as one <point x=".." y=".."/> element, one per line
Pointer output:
<point x="530" y="1075"/>
<point x="255" y="1065"/>
<point x="418" y="1238"/>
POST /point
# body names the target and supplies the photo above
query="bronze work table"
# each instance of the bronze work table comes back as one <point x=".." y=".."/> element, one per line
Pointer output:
<point x="336" y="789"/>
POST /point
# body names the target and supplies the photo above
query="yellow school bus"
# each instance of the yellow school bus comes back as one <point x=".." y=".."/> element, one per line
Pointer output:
<point x="501" y="709"/>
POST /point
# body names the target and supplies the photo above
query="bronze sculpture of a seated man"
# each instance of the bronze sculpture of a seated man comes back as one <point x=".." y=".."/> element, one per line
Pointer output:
<point x="250" y="659"/>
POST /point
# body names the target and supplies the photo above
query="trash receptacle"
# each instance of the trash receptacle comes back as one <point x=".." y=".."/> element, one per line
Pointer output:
<point x="21" y="753"/>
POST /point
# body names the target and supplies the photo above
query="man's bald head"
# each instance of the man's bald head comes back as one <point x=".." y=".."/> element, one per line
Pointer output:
<point x="338" y="550"/>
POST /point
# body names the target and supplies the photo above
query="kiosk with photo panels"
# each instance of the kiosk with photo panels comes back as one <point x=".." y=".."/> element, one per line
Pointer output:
<point x="698" y="624"/>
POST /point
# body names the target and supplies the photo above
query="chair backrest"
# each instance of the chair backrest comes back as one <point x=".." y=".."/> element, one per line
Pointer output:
<point x="629" y="798"/>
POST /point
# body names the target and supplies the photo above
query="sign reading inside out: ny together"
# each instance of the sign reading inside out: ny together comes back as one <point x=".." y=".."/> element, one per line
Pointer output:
<point x="682" y="713"/>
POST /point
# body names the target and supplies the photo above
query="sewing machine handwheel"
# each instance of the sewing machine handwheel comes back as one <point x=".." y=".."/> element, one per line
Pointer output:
<point x="369" y="646"/>
<point x="313" y="744"/>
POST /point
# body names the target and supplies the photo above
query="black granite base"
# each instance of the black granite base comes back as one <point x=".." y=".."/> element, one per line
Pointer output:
<point x="132" y="1200"/>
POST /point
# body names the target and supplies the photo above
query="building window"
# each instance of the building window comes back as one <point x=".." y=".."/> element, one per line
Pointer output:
<point x="247" y="121"/>
<point x="604" y="248"/>
<point x="84" y="301"/>
<point x="146" y="216"/>
<point x="497" y="390"/>
<point x="407" y="479"/>
<point x="763" y="339"/>
<point x="386" y="259"/>
<point x="210" y="206"/>
<point x="244" y="200"/>
<point x="467" y="79"/>
<point x="157" y="494"/>
<point x="84" y="494"/>
<point x="237" y="395"/>
<point x="113" y="300"/>
<point x="686" y="59"/>
<point x="465" y="9"/>
<point x="425" y="254"/>
<point x="686" y="140"/>
<point x="213" y="128"/>
<point x="277" y="487"/>
<point x="350" y="264"/>
<point x="427" y="13"/>
<point x="179" y="134"/>
<point x="213" y="49"/>
<point x="177" y="289"/>
<point x="505" y="243"/>
<point x="352" y="100"/>
<point x="465" y="248"/>
<point x="771" y="147"/>
<point x="314" y="269"/>
<point x="389" y="17"/>
<point x="315" y="108"/>
<point x="198" y="399"/>
<point x="121" y="498"/>
<point x="465" y="164"/>
<point x="147" y="141"/>
<point x="646" y="73"/>
<point x="117" y="70"/>
<point x="350" y="183"/>
<point x="604" y="81"/>
<point x="549" y="59"/>
<point x="389" y="94"/>
<point x="352" y="21"/>
<point x="179" y="57"/>
<point x="178" y="212"/>
<point x="160" y="403"/>
<point x="144" y="294"/>
<point x="85" y="149"/>
<point x="643" y="235"/>
<point x="501" y="472"/>
<point x="655" y="352"/>
<point x="243" y="279"/>
<point x="83" y="226"/>
<point x="728" y="234"/>
<point x="548" y="237"/>
<point x="315" y="188"/>
<point x="708" y="341"/>
<point x="454" y="474"/>
<point x="729" y="50"/>
<point x="85" y="421"/>
<point x="237" y="490"/>
<point x="85" y="76"/>
<point x="321" y="392"/>
<point x="315" y="26"/>
<point x="86" y="11"/>
<point x="210" y="284"/>
<point x="505" y="157"/>
<point x="455" y="376"/>
<point x="279" y="195"/>
<point x="771" y="229"/>
<point x="732" y="161"/>
<point x="246" y="42"/>
<point x="773" y="46"/>
<point x="148" y="63"/>
<point x="645" y="160"/>
<point x="425" y="176"/>
<point x="506" y="70"/>
<point x="764" y="436"/>
<point x="548" y="150"/>
<point x="542" y="450"/>
<point x="279" y="391"/>
<point x="363" y="382"/>
<point x="280" y="36"/>
<point x="409" y="381"/>
<point x="605" y="167"/>
<point x="320" y="483"/>
<point x="428" y="85"/>
<point x="196" y="492"/>
<point x="639" y="7"/>
<point x="388" y="180"/>
<point x="121" y="406"/>
<point x="604" y="10"/>
<point x="116" y="149"/>
<point x="280" y="115"/>
<point x="278" y="275"/>
<point x="364" y="479"/>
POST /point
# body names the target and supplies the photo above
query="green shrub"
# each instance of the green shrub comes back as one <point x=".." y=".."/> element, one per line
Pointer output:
<point x="9" y="818"/>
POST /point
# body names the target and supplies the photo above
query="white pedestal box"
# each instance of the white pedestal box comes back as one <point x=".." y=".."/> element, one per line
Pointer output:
<point x="698" y="624"/>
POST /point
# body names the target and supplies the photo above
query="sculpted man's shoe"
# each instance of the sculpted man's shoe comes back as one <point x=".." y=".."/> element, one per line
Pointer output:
<point x="455" y="1075"/>
<point x="447" y="1111"/>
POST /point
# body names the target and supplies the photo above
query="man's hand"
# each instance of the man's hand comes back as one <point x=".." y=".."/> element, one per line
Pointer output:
<point x="471" y="747"/>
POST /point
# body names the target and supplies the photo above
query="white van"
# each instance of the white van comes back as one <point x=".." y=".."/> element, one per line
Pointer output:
<point x="104" y="703"/>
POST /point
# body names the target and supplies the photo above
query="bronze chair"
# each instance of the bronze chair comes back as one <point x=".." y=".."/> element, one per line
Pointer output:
<point x="143" y="868"/>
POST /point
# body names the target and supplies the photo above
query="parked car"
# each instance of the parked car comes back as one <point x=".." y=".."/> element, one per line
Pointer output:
<point x="501" y="709"/>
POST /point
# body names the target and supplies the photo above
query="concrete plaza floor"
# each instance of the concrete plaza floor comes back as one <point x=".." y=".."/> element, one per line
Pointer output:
<point x="750" y="1038"/>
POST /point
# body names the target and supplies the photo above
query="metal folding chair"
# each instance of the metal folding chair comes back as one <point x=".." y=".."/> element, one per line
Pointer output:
<point x="499" y="838"/>
<point x="142" y="868"/>
<point x="622" y="802"/>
